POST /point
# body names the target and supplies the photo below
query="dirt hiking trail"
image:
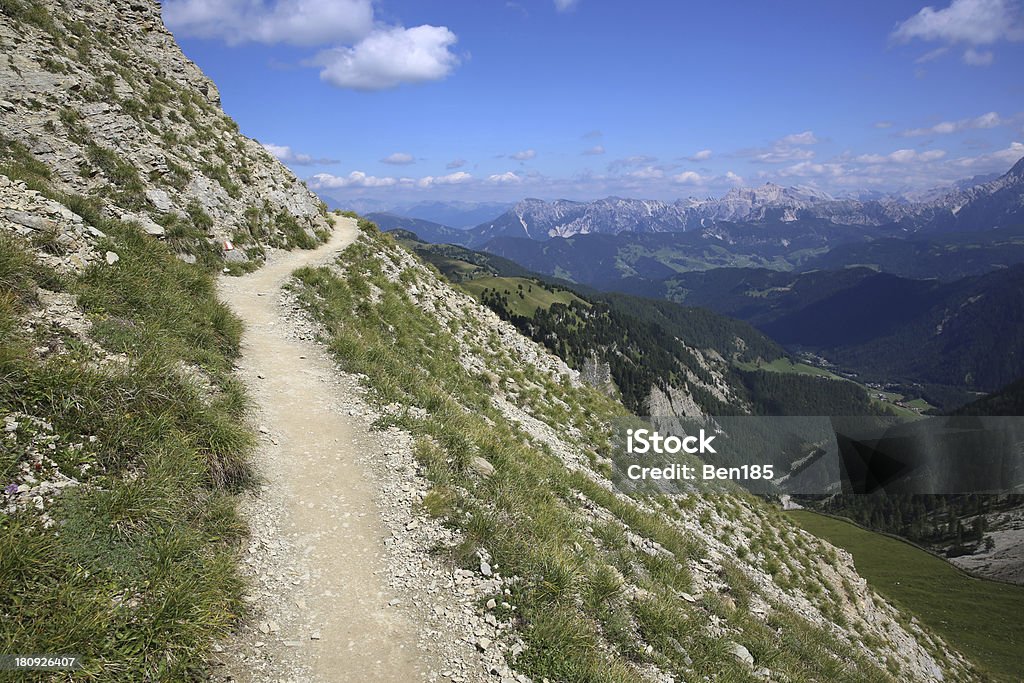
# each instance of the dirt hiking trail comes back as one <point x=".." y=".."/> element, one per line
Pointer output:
<point x="321" y="607"/>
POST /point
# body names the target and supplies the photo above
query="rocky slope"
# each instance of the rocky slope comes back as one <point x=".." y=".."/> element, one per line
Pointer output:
<point x="99" y="103"/>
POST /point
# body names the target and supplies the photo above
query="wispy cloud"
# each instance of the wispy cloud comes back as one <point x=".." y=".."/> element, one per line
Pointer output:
<point x="805" y="138"/>
<point x="932" y="55"/>
<point x="993" y="161"/>
<point x="399" y="159"/>
<point x="328" y="181"/>
<point x="647" y="173"/>
<point x="457" y="178"/>
<point x="964" y="22"/>
<point x="702" y="155"/>
<point x="901" y="156"/>
<point x="455" y="163"/>
<point x="631" y="162"/>
<point x="593" y="151"/>
<point x="287" y="155"/>
<point x="524" y="155"/>
<point x="793" y="147"/>
<point x="989" y="120"/>
<point x="974" y="57"/>
<point x="294" y="22"/>
<point x="358" y="179"/>
<point x="900" y="168"/>
<point x="566" y="5"/>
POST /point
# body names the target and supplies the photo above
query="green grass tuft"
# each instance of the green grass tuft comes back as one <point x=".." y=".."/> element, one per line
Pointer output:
<point x="138" y="574"/>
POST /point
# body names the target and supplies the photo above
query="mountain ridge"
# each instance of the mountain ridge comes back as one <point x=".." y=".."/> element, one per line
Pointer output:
<point x="978" y="207"/>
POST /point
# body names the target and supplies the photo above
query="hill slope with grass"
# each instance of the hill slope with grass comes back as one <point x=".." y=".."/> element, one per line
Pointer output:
<point x="516" y="458"/>
<point x="124" y="190"/>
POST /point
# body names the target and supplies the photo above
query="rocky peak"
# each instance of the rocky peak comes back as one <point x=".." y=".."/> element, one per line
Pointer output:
<point x="97" y="102"/>
<point x="1017" y="171"/>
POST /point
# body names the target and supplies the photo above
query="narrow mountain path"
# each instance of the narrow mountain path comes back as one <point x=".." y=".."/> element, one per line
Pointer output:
<point x="322" y="610"/>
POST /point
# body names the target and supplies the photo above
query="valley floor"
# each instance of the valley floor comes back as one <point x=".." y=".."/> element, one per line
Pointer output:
<point x="978" y="617"/>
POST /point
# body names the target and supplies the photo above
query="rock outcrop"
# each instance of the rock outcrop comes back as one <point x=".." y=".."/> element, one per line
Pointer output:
<point x="98" y="103"/>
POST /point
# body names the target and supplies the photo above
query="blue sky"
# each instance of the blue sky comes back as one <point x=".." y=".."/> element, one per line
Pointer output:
<point x="491" y="100"/>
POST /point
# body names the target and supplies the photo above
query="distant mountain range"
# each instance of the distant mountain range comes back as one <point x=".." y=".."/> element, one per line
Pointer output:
<point x="976" y="207"/>
<point x="976" y="204"/>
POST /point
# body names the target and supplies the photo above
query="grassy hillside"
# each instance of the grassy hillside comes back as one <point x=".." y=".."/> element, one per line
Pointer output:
<point x="124" y="442"/>
<point x="981" y="618"/>
<point x="604" y="586"/>
<point x="651" y="344"/>
<point x="525" y="296"/>
<point x="787" y="365"/>
<point x="124" y="433"/>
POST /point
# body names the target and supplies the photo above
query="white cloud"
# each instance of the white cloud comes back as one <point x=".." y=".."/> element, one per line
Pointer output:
<point x="999" y="160"/>
<point x="789" y="148"/>
<point x="974" y="22"/>
<point x="524" y="155"/>
<point x="507" y="177"/>
<point x="565" y="5"/>
<point x="901" y="156"/>
<point x="363" y="54"/>
<point x="287" y="155"/>
<point x="295" y="22"/>
<point x="974" y="57"/>
<point x="702" y="155"/>
<point x="805" y="138"/>
<point x="688" y="178"/>
<point x="327" y="181"/>
<point x="809" y="168"/>
<point x="456" y="178"/>
<point x="647" y="173"/>
<point x="389" y="57"/>
<point x="455" y="163"/>
<point x="399" y="159"/>
<point x="358" y="179"/>
<point x="733" y="178"/>
<point x="932" y="55"/>
<point x="632" y="161"/>
<point x="989" y="120"/>
<point x="595" y="150"/>
<point x="965" y="22"/>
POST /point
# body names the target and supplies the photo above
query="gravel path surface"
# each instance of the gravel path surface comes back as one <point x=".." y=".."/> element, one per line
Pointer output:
<point x="317" y="561"/>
